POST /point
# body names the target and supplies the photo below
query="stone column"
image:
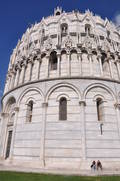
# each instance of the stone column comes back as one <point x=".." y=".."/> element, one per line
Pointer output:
<point x="91" y="63"/>
<point x="100" y="63"/>
<point x="47" y="69"/>
<point x="118" y="68"/>
<point x="110" y="65"/>
<point x="58" y="64"/>
<point x="82" y="114"/>
<point x="23" y="73"/>
<point x="68" y="62"/>
<point x="42" y="148"/>
<point x="12" y="80"/>
<point x="3" y="134"/>
<point x="80" y="63"/>
<point x="16" y="109"/>
<point x="38" y="67"/>
<point x="9" y="82"/>
<point x="17" y="76"/>
<point x="117" y="107"/>
<point x="30" y="64"/>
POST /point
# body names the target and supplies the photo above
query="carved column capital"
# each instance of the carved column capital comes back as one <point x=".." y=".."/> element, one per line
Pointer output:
<point x="68" y="52"/>
<point x="44" y="104"/>
<point x="90" y="55"/>
<point x="16" y="109"/>
<point x="17" y="66"/>
<point x="82" y="103"/>
<point x="79" y="52"/>
<point x="58" y="53"/>
<point x="117" y="105"/>
<point x="99" y="55"/>
<point x="3" y="114"/>
<point x="30" y="60"/>
<point x="48" y="55"/>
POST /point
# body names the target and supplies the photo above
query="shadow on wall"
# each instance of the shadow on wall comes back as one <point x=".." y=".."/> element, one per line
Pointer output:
<point x="1" y="94"/>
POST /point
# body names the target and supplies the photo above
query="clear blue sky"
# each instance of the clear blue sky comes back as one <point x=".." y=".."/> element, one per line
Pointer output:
<point x="17" y="15"/>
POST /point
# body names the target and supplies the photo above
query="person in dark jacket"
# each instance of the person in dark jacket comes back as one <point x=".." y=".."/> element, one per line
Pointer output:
<point x="93" y="166"/>
<point x="99" y="165"/>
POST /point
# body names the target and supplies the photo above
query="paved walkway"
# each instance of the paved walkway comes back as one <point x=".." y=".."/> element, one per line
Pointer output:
<point x="58" y="171"/>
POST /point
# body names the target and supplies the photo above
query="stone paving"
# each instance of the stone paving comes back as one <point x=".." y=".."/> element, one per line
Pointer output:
<point x="58" y="171"/>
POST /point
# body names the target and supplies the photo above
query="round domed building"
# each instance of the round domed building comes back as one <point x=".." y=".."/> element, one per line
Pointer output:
<point x="61" y="104"/>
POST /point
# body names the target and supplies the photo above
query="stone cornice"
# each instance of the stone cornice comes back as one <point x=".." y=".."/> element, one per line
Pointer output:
<point x="62" y="78"/>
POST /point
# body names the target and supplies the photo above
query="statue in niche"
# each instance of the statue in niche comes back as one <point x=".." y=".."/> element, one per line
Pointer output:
<point x="48" y="44"/>
<point x="87" y="43"/>
<point x="68" y="42"/>
<point x="106" y="45"/>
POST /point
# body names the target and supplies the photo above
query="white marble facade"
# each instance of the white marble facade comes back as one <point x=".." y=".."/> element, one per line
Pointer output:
<point x="75" y="56"/>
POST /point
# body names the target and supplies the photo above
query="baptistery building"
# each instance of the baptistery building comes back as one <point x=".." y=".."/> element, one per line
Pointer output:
<point x="61" y="103"/>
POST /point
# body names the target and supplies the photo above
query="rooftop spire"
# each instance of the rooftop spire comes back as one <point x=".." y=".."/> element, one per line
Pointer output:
<point x="57" y="11"/>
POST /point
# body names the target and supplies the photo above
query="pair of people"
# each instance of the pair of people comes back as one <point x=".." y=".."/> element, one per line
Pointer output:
<point x="97" y="165"/>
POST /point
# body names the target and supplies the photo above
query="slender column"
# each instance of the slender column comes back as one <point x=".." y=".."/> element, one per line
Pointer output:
<point x="3" y="134"/>
<point x="47" y="70"/>
<point x="42" y="151"/>
<point x="91" y="63"/>
<point x="68" y="60"/>
<point x="23" y="73"/>
<point x="30" y="64"/>
<point x="9" y="81"/>
<point x="117" y="107"/>
<point x="14" y="130"/>
<point x="80" y="62"/>
<point x="12" y="80"/>
<point x="118" y="68"/>
<point x="17" y="77"/>
<point x="58" y="64"/>
<point x="82" y="117"/>
<point x="38" y="67"/>
<point x="111" y="70"/>
<point x="100" y="63"/>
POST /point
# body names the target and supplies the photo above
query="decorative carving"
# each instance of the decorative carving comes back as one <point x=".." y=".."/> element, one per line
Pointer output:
<point x="48" y="44"/>
<point x="44" y="104"/>
<point x="3" y="114"/>
<point x="68" y="42"/>
<point x="106" y="45"/>
<point x="16" y="109"/>
<point x="87" y="43"/>
<point x="82" y="102"/>
<point x="117" y="105"/>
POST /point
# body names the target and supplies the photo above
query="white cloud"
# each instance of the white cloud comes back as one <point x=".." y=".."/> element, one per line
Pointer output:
<point x="116" y="19"/>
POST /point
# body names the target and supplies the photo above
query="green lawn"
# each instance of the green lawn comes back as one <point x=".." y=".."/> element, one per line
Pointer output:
<point x="14" y="176"/>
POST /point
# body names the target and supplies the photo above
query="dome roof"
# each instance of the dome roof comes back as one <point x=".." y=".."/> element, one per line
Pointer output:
<point x="82" y="30"/>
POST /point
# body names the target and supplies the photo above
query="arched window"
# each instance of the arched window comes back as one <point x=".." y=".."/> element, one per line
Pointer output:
<point x="29" y="111"/>
<point x="12" y="118"/>
<point x="57" y="13"/>
<point x="64" y="28"/>
<point x="99" y="103"/>
<point x="63" y="109"/>
<point x="87" y="29"/>
<point x="103" y="58"/>
<point x="53" y="61"/>
<point x="108" y="34"/>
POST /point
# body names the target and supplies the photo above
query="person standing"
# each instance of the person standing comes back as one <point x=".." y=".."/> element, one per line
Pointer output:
<point x="99" y="165"/>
